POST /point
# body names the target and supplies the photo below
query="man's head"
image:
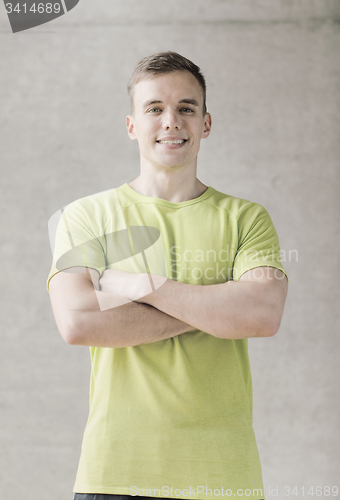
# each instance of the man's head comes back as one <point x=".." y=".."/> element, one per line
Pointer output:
<point x="162" y="63"/>
<point x="169" y="116"/>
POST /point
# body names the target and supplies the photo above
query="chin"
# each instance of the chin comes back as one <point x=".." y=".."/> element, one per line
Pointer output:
<point x="172" y="162"/>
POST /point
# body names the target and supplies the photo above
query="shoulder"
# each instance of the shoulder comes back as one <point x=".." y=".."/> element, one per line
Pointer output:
<point x="239" y="208"/>
<point x="95" y="204"/>
<point x="93" y="199"/>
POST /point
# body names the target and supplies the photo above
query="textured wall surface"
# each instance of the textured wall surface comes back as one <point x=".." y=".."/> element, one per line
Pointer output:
<point x="273" y="75"/>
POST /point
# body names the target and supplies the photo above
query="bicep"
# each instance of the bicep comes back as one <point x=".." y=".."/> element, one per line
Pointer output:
<point x="266" y="274"/>
<point x="71" y="290"/>
<point x="273" y="279"/>
<point x="270" y="286"/>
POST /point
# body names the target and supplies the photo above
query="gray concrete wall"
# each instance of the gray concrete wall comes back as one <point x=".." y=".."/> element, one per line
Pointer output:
<point x="272" y="68"/>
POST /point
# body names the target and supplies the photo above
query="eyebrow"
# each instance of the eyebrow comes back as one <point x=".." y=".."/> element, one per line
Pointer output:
<point x="193" y="102"/>
<point x="189" y="101"/>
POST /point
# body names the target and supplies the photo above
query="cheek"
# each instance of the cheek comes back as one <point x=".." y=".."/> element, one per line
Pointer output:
<point x="147" y="132"/>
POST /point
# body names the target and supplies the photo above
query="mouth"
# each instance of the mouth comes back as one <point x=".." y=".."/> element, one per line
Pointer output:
<point x="172" y="143"/>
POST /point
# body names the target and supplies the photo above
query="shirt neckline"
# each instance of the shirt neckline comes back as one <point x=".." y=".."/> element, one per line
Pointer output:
<point x="150" y="199"/>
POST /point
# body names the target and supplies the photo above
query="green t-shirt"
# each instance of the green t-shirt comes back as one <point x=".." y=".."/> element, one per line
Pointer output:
<point x="172" y="418"/>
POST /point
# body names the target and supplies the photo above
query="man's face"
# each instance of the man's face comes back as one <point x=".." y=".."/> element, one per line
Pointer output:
<point x="168" y="120"/>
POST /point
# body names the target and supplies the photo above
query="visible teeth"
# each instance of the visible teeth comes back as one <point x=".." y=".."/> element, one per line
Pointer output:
<point x="171" y="142"/>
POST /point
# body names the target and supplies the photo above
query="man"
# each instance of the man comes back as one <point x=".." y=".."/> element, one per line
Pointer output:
<point x="165" y="279"/>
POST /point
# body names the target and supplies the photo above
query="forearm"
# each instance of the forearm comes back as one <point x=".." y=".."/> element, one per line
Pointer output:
<point x="230" y="310"/>
<point x="127" y="325"/>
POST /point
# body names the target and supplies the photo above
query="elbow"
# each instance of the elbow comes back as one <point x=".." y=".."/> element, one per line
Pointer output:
<point x="70" y="331"/>
<point x="275" y="327"/>
<point x="269" y="331"/>
<point x="270" y="310"/>
<point x="69" y="337"/>
<point x="267" y="327"/>
<point x="270" y="325"/>
<point x="274" y="312"/>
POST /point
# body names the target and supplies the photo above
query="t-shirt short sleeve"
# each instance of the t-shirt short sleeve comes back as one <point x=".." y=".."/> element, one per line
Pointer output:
<point x="258" y="244"/>
<point x="74" y="240"/>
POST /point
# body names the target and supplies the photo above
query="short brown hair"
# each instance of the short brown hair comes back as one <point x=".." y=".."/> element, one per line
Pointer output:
<point x="165" y="62"/>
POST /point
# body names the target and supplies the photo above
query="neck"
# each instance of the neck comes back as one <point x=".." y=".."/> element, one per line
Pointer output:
<point x="171" y="185"/>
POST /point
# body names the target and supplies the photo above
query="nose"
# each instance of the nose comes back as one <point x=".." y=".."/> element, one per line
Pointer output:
<point x="171" y="120"/>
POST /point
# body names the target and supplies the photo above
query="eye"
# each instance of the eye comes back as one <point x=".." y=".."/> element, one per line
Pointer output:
<point x="154" y="110"/>
<point x="187" y="110"/>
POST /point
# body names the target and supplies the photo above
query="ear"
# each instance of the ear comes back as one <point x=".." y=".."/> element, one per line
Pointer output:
<point x="130" y="125"/>
<point x="206" y="126"/>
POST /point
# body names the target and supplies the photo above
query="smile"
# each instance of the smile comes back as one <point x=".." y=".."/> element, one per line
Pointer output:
<point x="181" y="141"/>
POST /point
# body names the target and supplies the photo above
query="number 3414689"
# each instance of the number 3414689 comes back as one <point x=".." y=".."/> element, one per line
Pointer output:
<point x="318" y="491"/>
<point x="39" y="8"/>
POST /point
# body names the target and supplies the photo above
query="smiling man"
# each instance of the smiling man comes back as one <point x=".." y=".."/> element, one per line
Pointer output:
<point x="171" y="392"/>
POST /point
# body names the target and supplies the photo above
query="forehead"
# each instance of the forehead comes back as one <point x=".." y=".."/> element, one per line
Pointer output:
<point x="167" y="87"/>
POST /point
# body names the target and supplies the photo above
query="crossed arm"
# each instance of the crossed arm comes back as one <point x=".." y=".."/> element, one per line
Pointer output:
<point x="251" y="307"/>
